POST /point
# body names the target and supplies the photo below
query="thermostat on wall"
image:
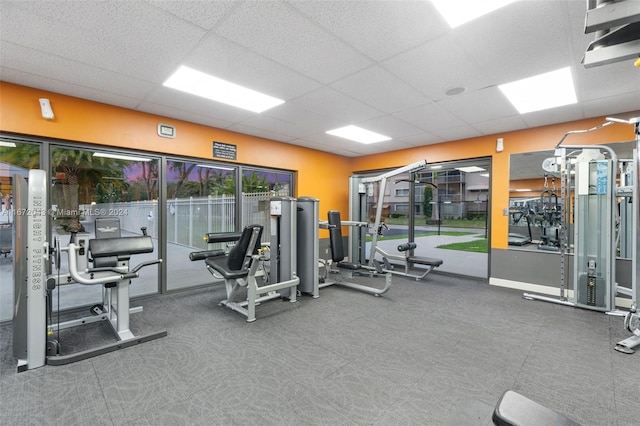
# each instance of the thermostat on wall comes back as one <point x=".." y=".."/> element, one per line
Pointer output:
<point x="166" y="131"/>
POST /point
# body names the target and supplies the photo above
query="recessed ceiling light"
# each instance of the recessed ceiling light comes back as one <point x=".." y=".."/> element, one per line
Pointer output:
<point x="207" y="86"/>
<point x="470" y="169"/>
<point x="522" y="190"/>
<point x="544" y="91"/>
<point x="436" y="167"/>
<point x="120" y="157"/>
<point x="7" y="144"/>
<point x="457" y="12"/>
<point x="358" y="134"/>
<point x="484" y="175"/>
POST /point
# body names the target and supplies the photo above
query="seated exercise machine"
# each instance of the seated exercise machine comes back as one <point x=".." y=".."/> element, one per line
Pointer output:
<point x="407" y="259"/>
<point x="514" y="409"/>
<point x="243" y="267"/>
<point x="33" y="330"/>
<point x="345" y="270"/>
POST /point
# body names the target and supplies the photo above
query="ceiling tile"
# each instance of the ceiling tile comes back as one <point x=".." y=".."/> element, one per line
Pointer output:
<point x="437" y="66"/>
<point x="457" y="133"/>
<point x="554" y="115"/>
<point x="429" y="117"/>
<point x="189" y="116"/>
<point x="276" y="30"/>
<point x="380" y="89"/>
<point x="542" y="41"/>
<point x="205" y="14"/>
<point x="335" y="105"/>
<point x="480" y="105"/>
<point x="70" y="89"/>
<point x="501" y="125"/>
<point x="390" y="126"/>
<point x="380" y="29"/>
<point x="50" y="66"/>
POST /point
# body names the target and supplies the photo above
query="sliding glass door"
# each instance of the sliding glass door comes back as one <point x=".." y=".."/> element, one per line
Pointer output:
<point x="92" y="184"/>
<point x="16" y="158"/>
<point x="200" y="200"/>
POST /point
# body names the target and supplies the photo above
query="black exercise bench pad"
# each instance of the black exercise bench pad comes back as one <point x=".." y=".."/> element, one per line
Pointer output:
<point x="105" y="247"/>
<point x="220" y="265"/>
<point x="431" y="261"/>
<point x="514" y="409"/>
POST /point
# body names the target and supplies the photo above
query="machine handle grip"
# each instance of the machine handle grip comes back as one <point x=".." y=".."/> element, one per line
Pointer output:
<point x="201" y="255"/>
<point x="221" y="237"/>
<point x="142" y="265"/>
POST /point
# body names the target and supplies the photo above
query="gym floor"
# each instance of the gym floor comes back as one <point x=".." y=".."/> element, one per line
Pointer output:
<point x="436" y="352"/>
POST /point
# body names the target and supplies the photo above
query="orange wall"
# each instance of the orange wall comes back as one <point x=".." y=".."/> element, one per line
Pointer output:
<point x="319" y="174"/>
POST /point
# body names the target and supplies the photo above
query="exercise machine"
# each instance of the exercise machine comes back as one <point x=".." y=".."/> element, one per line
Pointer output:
<point x="248" y="280"/>
<point x="99" y="261"/>
<point x="550" y="218"/>
<point x="517" y="214"/>
<point x="364" y="187"/>
<point x="345" y="270"/>
<point x="589" y="194"/>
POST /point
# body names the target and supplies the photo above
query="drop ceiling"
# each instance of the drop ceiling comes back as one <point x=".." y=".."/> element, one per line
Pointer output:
<point x="382" y="65"/>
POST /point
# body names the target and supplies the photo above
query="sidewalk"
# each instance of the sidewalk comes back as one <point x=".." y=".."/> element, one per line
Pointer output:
<point x="454" y="261"/>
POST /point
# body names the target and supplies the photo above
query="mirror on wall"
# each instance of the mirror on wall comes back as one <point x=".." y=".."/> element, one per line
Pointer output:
<point x="535" y="201"/>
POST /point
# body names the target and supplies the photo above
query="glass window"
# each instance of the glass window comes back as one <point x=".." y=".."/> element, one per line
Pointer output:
<point x="258" y="186"/>
<point x="200" y="200"/>
<point x="16" y="158"/>
<point x="90" y="184"/>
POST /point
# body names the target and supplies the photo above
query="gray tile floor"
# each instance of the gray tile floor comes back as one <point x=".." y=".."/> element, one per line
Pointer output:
<point x="437" y="352"/>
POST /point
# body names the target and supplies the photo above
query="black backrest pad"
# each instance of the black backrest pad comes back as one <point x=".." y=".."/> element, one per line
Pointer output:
<point x="102" y="247"/>
<point x="248" y="244"/>
<point x="335" y="236"/>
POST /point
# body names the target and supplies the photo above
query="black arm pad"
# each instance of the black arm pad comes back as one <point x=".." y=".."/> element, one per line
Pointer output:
<point x="407" y="246"/>
<point x="222" y="237"/>
<point x="105" y="247"/>
<point x="201" y="255"/>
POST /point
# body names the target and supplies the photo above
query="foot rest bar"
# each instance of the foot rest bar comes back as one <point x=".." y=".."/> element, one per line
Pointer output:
<point x="514" y="409"/>
<point x="90" y="353"/>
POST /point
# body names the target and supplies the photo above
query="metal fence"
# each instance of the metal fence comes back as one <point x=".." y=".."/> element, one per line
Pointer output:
<point x="188" y="219"/>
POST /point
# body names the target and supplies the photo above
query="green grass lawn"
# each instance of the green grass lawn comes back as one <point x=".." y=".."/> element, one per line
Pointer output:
<point x="479" y="245"/>
<point x="420" y="234"/>
<point x="451" y="223"/>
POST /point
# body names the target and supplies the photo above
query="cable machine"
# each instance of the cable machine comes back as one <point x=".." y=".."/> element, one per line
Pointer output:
<point x="589" y="195"/>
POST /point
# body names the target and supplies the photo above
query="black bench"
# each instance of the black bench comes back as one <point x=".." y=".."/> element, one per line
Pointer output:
<point x="514" y="409"/>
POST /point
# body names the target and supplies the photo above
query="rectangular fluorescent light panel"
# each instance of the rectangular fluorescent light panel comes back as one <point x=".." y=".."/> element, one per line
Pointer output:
<point x="358" y="134"/>
<point x="522" y="190"/>
<point x="544" y="91"/>
<point x="457" y="12"/>
<point x="207" y="86"/>
<point x="120" y="157"/>
<point x="470" y="169"/>
<point x="7" y="144"/>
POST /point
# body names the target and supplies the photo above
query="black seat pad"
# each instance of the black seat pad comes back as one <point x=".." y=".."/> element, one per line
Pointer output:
<point x="219" y="264"/>
<point x="431" y="261"/>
